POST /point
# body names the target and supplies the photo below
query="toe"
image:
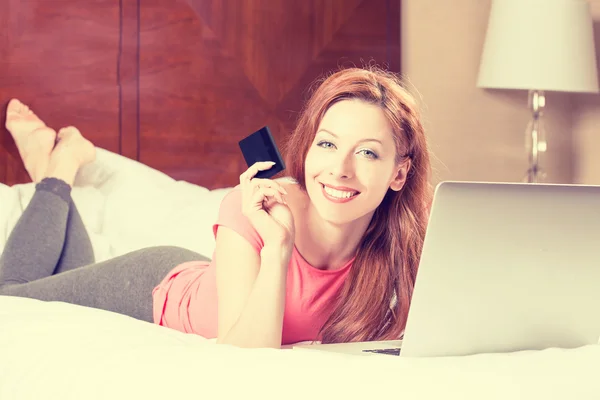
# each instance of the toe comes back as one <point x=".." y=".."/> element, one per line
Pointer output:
<point x="14" y="106"/>
<point x="68" y="131"/>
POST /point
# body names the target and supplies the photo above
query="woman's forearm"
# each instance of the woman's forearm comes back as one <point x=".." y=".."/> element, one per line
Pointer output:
<point x="261" y="321"/>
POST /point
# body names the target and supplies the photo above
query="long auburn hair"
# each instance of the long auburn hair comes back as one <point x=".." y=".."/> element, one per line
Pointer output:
<point x="374" y="301"/>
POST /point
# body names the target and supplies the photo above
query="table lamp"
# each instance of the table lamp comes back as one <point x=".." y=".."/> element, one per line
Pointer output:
<point x="539" y="45"/>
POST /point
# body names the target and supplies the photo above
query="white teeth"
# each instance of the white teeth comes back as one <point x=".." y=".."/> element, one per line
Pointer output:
<point x="338" y="193"/>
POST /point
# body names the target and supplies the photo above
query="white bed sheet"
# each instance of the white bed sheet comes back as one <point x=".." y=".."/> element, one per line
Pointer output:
<point x="52" y="350"/>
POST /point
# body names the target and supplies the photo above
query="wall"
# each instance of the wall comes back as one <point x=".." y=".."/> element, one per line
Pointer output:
<point x="586" y="120"/>
<point x="475" y="134"/>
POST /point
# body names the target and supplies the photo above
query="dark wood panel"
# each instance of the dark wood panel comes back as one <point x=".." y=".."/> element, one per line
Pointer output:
<point x="60" y="58"/>
<point x="175" y="84"/>
<point x="128" y="79"/>
<point x="214" y="71"/>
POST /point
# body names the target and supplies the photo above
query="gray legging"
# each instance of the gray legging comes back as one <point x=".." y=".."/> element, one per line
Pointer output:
<point x="49" y="257"/>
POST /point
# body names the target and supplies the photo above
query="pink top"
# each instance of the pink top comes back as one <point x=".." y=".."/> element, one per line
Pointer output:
<point x="186" y="299"/>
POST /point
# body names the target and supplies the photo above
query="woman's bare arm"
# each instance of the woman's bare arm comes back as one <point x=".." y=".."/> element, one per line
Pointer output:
<point x="251" y="291"/>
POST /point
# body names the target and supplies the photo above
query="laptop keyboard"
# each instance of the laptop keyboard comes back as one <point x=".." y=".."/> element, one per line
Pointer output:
<point x="392" y="352"/>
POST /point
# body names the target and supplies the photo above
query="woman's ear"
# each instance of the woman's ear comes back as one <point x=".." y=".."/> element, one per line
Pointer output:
<point x="401" y="174"/>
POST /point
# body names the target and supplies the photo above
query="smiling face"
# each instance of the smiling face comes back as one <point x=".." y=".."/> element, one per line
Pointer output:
<point x="352" y="162"/>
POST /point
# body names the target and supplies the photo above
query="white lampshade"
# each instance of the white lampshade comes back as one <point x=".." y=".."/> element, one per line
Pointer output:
<point x="539" y="45"/>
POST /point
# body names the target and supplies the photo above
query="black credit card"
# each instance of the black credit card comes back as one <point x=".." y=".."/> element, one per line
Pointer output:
<point x="260" y="146"/>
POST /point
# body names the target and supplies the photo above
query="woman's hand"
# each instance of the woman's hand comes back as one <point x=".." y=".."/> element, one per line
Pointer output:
<point x="264" y="204"/>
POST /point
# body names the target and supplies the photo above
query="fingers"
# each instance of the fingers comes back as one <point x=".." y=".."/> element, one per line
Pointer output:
<point x="257" y="192"/>
<point x="249" y="183"/>
<point x="258" y="183"/>
<point x="259" y="199"/>
<point x="253" y="170"/>
<point x="265" y="194"/>
<point x="265" y="189"/>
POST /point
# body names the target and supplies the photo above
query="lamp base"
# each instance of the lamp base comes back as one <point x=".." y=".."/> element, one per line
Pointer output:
<point x="535" y="140"/>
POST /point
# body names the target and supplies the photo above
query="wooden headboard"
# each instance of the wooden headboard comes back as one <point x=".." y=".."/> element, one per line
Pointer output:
<point x="176" y="84"/>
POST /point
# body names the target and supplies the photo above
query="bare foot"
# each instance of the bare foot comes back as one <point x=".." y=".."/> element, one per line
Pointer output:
<point x="33" y="138"/>
<point x="71" y="152"/>
<point x="70" y="143"/>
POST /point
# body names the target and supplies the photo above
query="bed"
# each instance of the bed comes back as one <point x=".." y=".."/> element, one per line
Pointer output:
<point x="55" y="350"/>
<point x="165" y="89"/>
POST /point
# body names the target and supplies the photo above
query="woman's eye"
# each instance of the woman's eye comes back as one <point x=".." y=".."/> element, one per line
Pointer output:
<point x="369" y="154"/>
<point x="326" y="145"/>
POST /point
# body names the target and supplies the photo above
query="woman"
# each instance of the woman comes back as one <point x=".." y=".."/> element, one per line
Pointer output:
<point x="330" y="254"/>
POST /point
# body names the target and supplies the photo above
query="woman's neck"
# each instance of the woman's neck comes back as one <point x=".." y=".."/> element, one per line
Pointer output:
<point x="325" y="245"/>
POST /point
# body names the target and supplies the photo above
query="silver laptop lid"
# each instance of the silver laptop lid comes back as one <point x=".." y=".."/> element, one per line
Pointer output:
<point x="507" y="267"/>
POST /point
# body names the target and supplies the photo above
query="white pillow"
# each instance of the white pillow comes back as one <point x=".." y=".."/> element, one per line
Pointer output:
<point x="126" y="205"/>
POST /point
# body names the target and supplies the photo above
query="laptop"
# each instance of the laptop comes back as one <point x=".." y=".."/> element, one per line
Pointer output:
<point x="505" y="267"/>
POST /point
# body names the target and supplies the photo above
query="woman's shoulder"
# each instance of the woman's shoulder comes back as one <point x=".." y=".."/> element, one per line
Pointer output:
<point x="231" y="216"/>
<point x="232" y="200"/>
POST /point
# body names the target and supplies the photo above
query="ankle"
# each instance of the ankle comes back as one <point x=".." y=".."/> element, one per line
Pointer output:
<point x="62" y="169"/>
<point x="56" y="186"/>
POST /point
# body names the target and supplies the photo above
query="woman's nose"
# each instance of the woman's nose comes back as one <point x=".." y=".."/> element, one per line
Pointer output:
<point x="342" y="167"/>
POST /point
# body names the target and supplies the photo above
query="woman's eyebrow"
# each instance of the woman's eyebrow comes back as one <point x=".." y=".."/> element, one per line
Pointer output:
<point x="360" y="141"/>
